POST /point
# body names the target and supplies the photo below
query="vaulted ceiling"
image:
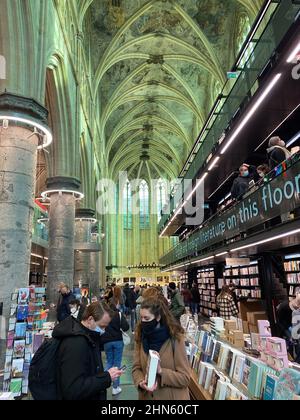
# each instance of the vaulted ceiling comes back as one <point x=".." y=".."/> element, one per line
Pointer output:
<point x="159" y="65"/>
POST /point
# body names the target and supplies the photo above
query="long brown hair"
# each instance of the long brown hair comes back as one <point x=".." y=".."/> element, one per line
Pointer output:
<point x="158" y="308"/>
<point x="225" y="291"/>
<point x="117" y="294"/>
<point x="151" y="293"/>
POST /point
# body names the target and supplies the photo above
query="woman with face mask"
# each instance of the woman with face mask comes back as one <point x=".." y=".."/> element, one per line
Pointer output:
<point x="77" y="309"/>
<point x="80" y="373"/>
<point x="247" y="173"/>
<point x="159" y="331"/>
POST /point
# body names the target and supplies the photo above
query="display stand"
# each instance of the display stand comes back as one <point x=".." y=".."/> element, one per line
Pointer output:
<point x="25" y="336"/>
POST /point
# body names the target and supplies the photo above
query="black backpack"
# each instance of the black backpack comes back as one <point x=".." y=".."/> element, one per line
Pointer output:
<point x="43" y="370"/>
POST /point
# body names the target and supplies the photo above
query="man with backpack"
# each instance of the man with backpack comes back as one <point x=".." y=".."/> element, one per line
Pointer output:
<point x="69" y="367"/>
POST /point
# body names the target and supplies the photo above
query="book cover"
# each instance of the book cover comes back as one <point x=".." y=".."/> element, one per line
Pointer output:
<point x="37" y="341"/>
<point x="28" y="338"/>
<point x="28" y="355"/>
<point x="23" y="298"/>
<point x="221" y="390"/>
<point x="16" y="387"/>
<point x="288" y="385"/>
<point x="270" y="387"/>
<point x="239" y="368"/>
<point x="12" y="324"/>
<point x="152" y="367"/>
<point x="216" y="353"/>
<point x="17" y="368"/>
<point x="246" y="372"/>
<point x="19" y="348"/>
<point x="13" y="309"/>
<point x="209" y="373"/>
<point x="10" y="339"/>
<point x="20" y="330"/>
<point x="229" y="362"/>
<point x="22" y="312"/>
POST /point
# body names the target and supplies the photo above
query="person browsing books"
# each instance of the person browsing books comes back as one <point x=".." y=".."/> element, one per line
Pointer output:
<point x="226" y="304"/>
<point x="158" y="331"/>
<point x="80" y="373"/>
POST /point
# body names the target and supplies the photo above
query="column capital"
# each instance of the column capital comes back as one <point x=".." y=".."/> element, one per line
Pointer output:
<point x="85" y="214"/>
<point x="62" y="184"/>
<point x="22" y="110"/>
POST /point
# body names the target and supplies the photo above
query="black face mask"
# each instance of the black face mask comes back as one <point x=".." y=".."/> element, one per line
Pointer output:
<point x="149" y="327"/>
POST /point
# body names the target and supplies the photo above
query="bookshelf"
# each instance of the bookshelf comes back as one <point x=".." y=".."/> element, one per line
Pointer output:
<point x="184" y="278"/>
<point x="292" y="271"/>
<point x="206" y="280"/>
<point x="245" y="278"/>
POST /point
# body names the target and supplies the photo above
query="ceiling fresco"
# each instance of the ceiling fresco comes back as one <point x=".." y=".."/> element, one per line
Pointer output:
<point x="159" y="66"/>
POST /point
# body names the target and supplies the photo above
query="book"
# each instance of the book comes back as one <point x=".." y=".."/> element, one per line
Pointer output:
<point x="16" y="387"/>
<point x="22" y="312"/>
<point x="37" y="341"/>
<point x="10" y="339"/>
<point x="216" y="352"/>
<point x="17" y="368"/>
<point x="209" y="373"/>
<point x="224" y="353"/>
<point x="216" y="377"/>
<point x="288" y="385"/>
<point x="20" y="330"/>
<point x="221" y="390"/>
<point x="23" y="297"/>
<point x="28" y="337"/>
<point x="239" y="368"/>
<point x="19" y="348"/>
<point x="270" y="387"/>
<point x="12" y="324"/>
<point x="246" y="372"/>
<point x="152" y="367"/>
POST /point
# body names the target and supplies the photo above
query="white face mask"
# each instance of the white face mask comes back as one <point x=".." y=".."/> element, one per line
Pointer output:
<point x="73" y="311"/>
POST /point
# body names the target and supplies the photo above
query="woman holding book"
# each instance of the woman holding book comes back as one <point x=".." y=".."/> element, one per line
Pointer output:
<point x="159" y="331"/>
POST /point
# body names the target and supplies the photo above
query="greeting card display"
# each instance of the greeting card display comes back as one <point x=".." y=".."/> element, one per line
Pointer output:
<point x="27" y="317"/>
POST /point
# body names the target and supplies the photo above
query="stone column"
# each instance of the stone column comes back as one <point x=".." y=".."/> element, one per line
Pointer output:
<point x="19" y="143"/>
<point x="87" y="250"/>
<point x="95" y="258"/>
<point x="63" y="193"/>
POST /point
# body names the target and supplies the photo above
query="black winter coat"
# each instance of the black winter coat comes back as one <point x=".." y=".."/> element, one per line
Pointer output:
<point x="131" y="298"/>
<point x="63" y="310"/>
<point x="196" y="295"/>
<point x="241" y="184"/>
<point x="80" y="370"/>
<point x="113" y="331"/>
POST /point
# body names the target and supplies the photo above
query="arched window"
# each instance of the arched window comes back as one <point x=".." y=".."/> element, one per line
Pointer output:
<point x="127" y="206"/>
<point x="161" y="191"/>
<point x="144" y="205"/>
<point x="243" y="31"/>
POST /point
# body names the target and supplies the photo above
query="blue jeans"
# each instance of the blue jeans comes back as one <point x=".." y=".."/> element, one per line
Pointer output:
<point x="114" y="354"/>
<point x="194" y="308"/>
